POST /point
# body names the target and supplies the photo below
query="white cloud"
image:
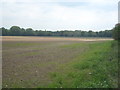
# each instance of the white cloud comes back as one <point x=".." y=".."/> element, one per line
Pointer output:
<point x="95" y="15"/>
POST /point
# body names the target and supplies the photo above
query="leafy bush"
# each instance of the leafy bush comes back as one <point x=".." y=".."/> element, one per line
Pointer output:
<point x="116" y="32"/>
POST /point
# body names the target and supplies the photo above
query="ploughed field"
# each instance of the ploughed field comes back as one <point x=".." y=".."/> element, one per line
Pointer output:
<point x="55" y="62"/>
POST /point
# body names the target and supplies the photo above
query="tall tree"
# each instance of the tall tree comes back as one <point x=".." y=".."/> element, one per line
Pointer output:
<point x="15" y="31"/>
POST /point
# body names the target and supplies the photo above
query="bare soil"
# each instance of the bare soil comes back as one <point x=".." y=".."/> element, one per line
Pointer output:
<point x="27" y="61"/>
<point x="21" y="38"/>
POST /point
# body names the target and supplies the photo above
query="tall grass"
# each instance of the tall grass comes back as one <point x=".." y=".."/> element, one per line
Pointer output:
<point x="95" y="68"/>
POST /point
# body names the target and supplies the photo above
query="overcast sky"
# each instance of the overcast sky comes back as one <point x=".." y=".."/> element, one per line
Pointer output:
<point x="60" y="14"/>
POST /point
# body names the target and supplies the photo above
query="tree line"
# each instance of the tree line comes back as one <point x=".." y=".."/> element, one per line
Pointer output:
<point x="17" y="31"/>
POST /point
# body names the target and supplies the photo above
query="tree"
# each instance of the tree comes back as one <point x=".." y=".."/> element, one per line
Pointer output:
<point x="4" y="32"/>
<point x="15" y="31"/>
<point x="29" y="32"/>
<point x="22" y="32"/>
<point x="116" y="32"/>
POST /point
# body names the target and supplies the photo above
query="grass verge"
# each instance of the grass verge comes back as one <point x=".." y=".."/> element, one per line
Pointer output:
<point x="95" y="68"/>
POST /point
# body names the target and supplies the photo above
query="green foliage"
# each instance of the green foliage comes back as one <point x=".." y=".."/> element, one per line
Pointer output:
<point x="116" y="32"/>
<point x="29" y="32"/>
<point x="4" y="31"/>
<point x="17" y="31"/>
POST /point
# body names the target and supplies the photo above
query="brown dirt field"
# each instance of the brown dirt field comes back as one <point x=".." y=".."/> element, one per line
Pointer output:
<point x="27" y="61"/>
<point x="32" y="38"/>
